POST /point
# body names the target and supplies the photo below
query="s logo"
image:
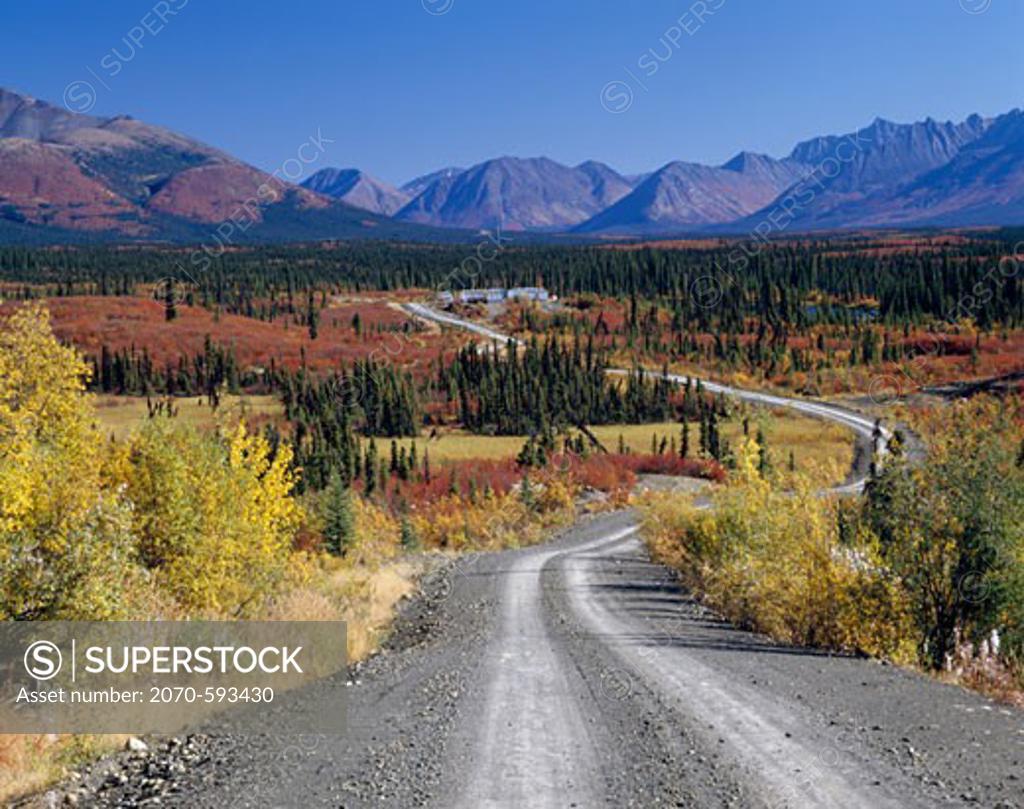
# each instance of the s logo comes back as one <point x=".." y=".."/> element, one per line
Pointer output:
<point x="43" y="660"/>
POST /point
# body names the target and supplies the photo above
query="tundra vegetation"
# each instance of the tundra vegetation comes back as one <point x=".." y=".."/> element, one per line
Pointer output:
<point x="829" y="315"/>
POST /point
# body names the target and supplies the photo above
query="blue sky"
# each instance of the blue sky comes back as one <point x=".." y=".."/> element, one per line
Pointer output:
<point x="406" y="86"/>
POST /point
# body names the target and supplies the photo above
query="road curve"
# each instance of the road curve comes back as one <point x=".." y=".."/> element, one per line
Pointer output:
<point x="862" y="426"/>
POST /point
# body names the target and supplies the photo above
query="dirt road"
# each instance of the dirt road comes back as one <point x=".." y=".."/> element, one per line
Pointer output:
<point x="578" y="674"/>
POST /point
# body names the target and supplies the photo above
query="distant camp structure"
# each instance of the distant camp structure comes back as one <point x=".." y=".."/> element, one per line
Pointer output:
<point x="493" y="295"/>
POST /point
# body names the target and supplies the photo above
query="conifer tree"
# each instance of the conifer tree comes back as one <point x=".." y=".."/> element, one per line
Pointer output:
<point x="714" y="440"/>
<point x="339" y="520"/>
<point x="528" y="453"/>
<point x="170" y="305"/>
<point x="763" y="461"/>
<point x="370" y="469"/>
<point x="526" y="492"/>
<point x="408" y="537"/>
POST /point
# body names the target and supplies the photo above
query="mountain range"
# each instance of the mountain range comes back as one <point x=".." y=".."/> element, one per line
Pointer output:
<point x="68" y="176"/>
<point x="65" y="176"/>
<point x="884" y="175"/>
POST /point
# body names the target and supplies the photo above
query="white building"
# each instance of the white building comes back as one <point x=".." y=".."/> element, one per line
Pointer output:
<point x="493" y="295"/>
<point x="528" y="293"/>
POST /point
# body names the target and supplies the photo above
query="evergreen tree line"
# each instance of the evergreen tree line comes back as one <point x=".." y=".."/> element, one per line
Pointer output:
<point x="548" y="385"/>
<point x="715" y="289"/>
<point x="329" y="413"/>
<point x="756" y="344"/>
<point x="130" y="371"/>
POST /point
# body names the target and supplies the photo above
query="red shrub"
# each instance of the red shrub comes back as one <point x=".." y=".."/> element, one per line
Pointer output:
<point x="673" y="465"/>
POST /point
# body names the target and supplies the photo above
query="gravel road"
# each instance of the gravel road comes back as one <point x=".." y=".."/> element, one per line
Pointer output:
<point x="578" y="674"/>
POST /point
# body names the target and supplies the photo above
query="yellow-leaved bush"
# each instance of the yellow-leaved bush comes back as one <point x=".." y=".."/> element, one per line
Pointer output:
<point x="214" y="517"/>
<point x="173" y="522"/>
<point x="65" y="541"/>
<point x="774" y="561"/>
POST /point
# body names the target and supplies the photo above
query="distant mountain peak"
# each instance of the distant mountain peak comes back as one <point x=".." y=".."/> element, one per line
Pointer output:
<point x="745" y="160"/>
<point x="518" y="193"/>
<point x="358" y="189"/>
<point x="119" y="178"/>
<point x="682" y="196"/>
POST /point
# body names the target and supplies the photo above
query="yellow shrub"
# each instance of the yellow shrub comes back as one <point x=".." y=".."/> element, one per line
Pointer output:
<point x="773" y="561"/>
<point x="376" y="532"/>
<point x="65" y="543"/>
<point x="214" y="516"/>
<point x="495" y="521"/>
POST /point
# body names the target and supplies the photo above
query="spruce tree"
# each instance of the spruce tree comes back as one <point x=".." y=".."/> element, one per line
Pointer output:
<point x="370" y="469"/>
<point x="763" y="461"/>
<point x="312" y="316"/>
<point x="408" y="537"/>
<point x="339" y="519"/>
<point x="526" y="492"/>
<point x="714" y="440"/>
<point x="528" y="454"/>
<point x="170" y="305"/>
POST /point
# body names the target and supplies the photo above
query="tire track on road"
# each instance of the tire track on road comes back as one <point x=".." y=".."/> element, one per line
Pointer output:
<point x="531" y="747"/>
<point x="761" y="736"/>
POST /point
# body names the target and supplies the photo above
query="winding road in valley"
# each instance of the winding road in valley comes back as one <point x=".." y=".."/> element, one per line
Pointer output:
<point x="862" y="426"/>
<point x="579" y="674"/>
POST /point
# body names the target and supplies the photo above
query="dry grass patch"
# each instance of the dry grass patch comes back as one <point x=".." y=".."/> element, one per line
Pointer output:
<point x="364" y="597"/>
<point x="814" y="443"/>
<point x="119" y="415"/>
